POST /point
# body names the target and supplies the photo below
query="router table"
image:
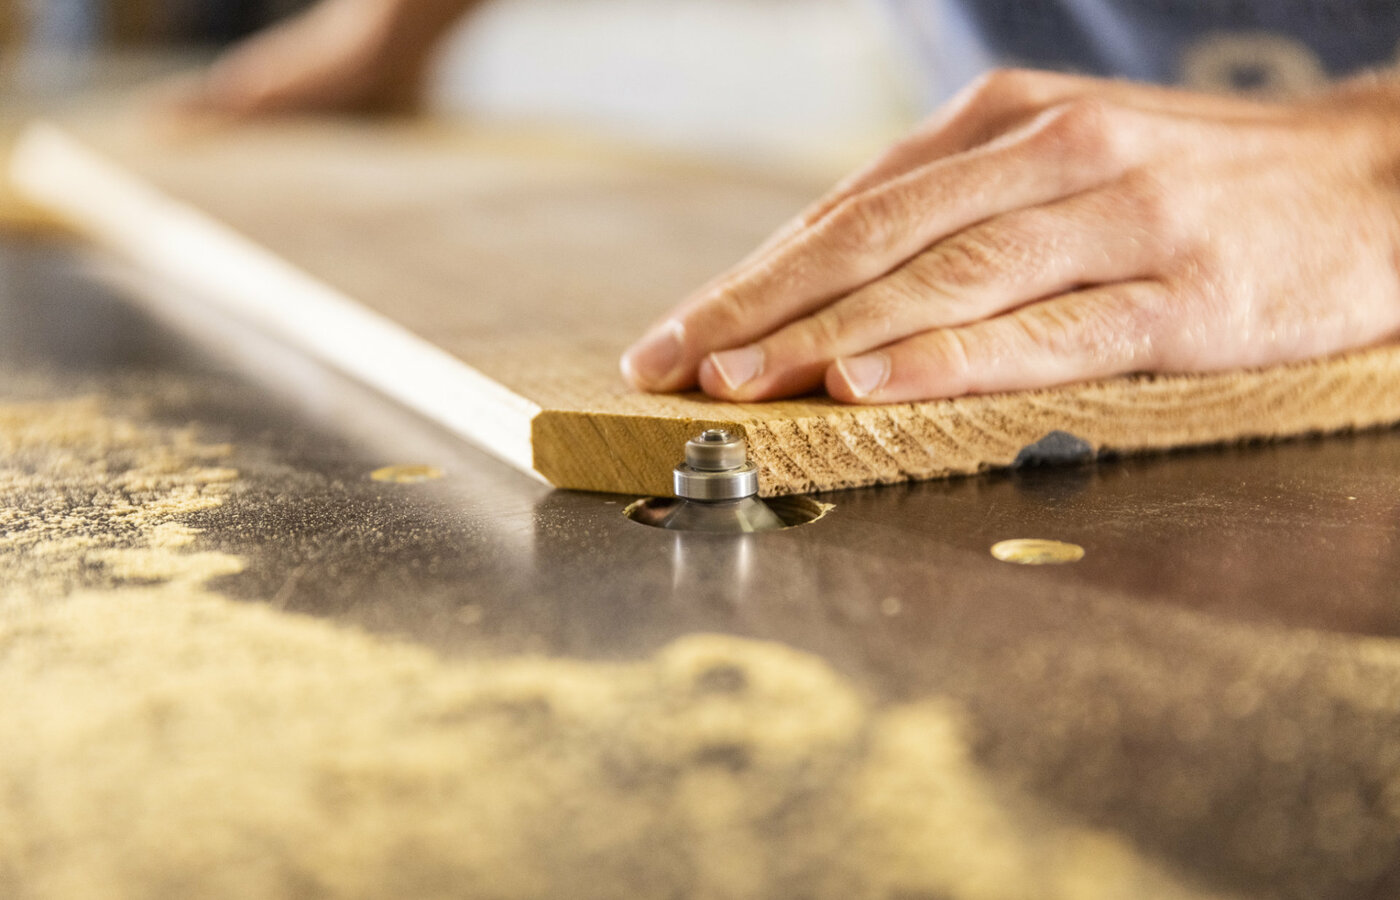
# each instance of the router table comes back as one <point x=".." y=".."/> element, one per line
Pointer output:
<point x="1208" y="701"/>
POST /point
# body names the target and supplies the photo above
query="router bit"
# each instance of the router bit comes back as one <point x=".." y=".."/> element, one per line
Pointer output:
<point x="718" y="488"/>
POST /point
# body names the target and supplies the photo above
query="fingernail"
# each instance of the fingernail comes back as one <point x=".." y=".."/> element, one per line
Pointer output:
<point x="864" y="374"/>
<point x="653" y="359"/>
<point x="738" y="367"/>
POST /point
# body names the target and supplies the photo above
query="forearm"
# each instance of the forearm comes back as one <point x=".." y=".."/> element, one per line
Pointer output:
<point x="418" y="25"/>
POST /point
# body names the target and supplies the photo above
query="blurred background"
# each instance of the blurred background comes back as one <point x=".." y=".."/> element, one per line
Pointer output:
<point x="79" y="24"/>
<point x="766" y="80"/>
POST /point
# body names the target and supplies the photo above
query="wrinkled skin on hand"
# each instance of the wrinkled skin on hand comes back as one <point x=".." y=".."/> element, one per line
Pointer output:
<point x="1045" y="229"/>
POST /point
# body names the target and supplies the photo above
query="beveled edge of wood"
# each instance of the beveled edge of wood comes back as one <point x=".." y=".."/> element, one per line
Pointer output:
<point x="613" y="453"/>
<point x="837" y="448"/>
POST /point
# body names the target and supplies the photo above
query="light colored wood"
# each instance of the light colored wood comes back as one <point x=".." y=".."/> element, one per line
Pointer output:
<point x="491" y="283"/>
<point x="16" y="213"/>
<point x="36" y="83"/>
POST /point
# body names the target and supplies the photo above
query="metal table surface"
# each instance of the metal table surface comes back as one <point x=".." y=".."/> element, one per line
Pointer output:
<point x="1216" y="681"/>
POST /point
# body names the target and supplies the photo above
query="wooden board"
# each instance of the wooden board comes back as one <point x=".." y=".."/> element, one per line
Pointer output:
<point x="34" y="84"/>
<point x="491" y="283"/>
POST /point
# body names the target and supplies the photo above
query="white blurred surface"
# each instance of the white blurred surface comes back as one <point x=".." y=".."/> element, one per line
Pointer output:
<point x="766" y="80"/>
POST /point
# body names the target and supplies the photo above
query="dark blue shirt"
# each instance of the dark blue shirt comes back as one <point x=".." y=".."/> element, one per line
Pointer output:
<point x="1266" y="46"/>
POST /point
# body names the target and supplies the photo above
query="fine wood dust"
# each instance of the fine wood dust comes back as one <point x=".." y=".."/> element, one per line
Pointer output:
<point x="91" y="499"/>
<point x="162" y="741"/>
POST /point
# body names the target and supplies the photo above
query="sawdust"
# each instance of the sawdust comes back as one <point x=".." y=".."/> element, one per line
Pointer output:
<point x="165" y="743"/>
<point x="1037" y="552"/>
<point x="407" y="473"/>
<point x="88" y="498"/>
<point x="162" y="741"/>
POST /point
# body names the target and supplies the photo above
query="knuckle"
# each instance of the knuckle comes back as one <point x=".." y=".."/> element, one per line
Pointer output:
<point x="1087" y="128"/>
<point x="868" y="316"/>
<point x="874" y="312"/>
<point x="1199" y="279"/>
<point x="1047" y="328"/>
<point x="792" y="271"/>
<point x="787" y="271"/>
<point x="824" y="332"/>
<point x="969" y="259"/>
<point x="953" y="357"/>
<point x="1151" y="316"/>
<point x="1150" y="207"/>
<point x="869" y="223"/>
<point x="1201" y="304"/>
<point x="1005" y="84"/>
<point x="729" y="309"/>
<point x="1109" y="332"/>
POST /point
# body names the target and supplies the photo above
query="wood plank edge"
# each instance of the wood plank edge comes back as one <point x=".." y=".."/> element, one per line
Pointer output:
<point x="1130" y="415"/>
<point x="862" y="446"/>
<point x="613" y="453"/>
<point x="221" y="266"/>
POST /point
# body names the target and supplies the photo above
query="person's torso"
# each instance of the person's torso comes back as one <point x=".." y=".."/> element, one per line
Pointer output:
<point x="1267" y="46"/>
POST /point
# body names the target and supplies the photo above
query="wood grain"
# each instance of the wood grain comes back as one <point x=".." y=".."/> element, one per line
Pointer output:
<point x="491" y="282"/>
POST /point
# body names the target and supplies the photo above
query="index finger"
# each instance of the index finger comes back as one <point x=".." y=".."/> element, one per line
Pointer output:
<point x="1064" y="151"/>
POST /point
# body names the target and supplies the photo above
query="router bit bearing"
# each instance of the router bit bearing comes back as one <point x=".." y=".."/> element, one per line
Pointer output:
<point x="716" y="467"/>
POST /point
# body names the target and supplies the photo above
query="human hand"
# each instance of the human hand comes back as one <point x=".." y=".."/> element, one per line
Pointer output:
<point x="347" y="56"/>
<point x="1045" y="229"/>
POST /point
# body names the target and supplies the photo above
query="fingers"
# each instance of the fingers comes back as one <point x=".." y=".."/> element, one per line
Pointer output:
<point x="988" y="107"/>
<point x="984" y="109"/>
<point x="1064" y="151"/>
<point x="1000" y="100"/>
<point x="986" y="270"/>
<point x="1076" y="337"/>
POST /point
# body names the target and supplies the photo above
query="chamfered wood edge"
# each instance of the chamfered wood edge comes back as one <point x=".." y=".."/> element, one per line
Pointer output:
<point x="630" y="454"/>
<point x="847" y="447"/>
<point x="221" y="266"/>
